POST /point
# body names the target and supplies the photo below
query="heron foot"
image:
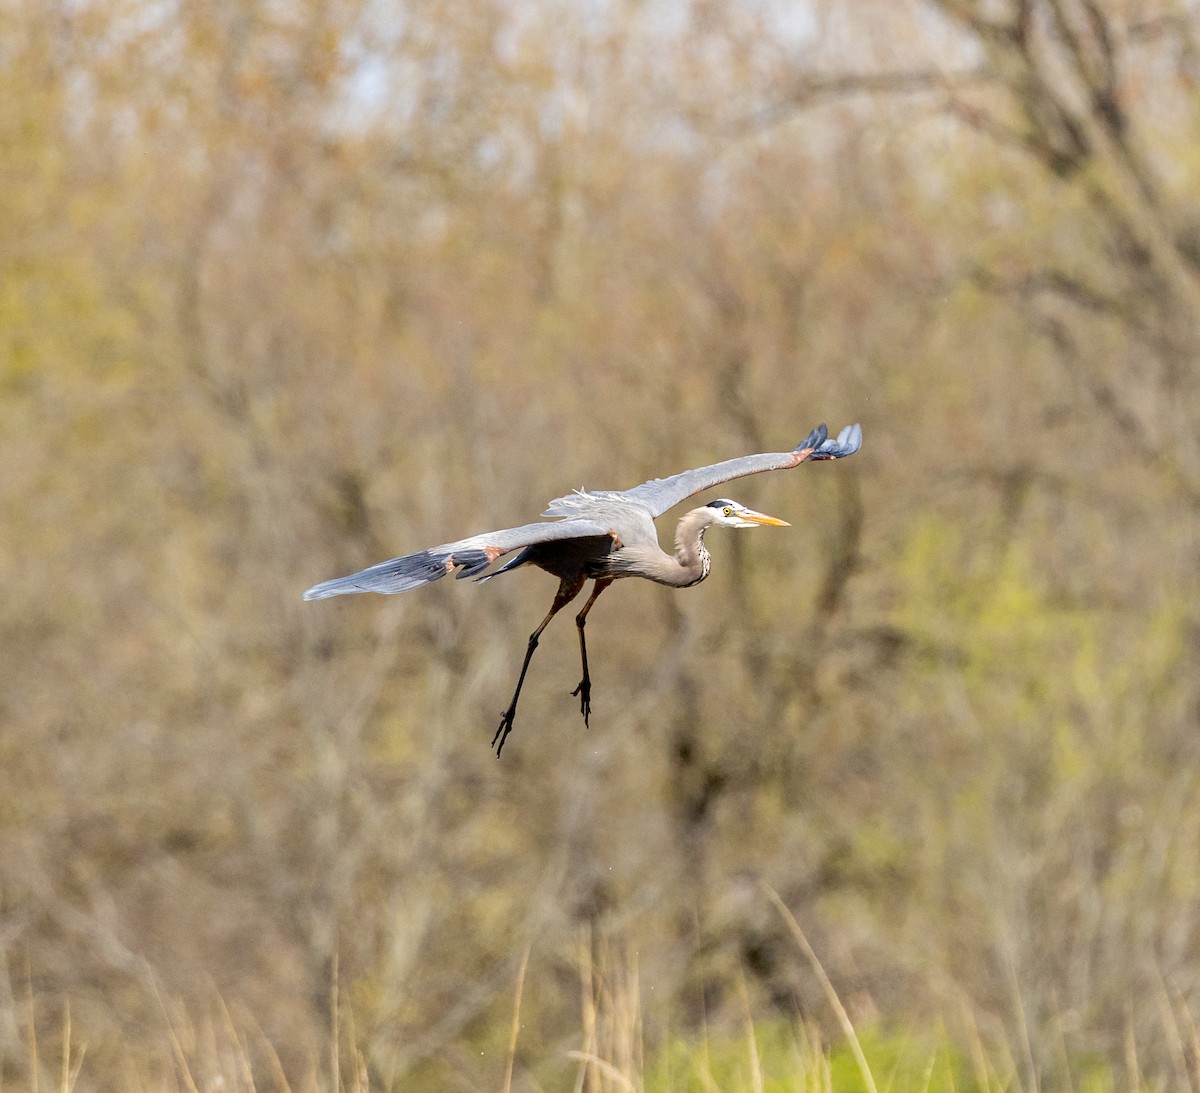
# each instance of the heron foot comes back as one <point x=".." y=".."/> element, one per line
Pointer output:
<point x="584" y="691"/>
<point x="506" y="724"/>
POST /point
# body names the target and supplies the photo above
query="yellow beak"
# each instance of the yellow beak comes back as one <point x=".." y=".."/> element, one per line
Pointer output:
<point x="762" y="518"/>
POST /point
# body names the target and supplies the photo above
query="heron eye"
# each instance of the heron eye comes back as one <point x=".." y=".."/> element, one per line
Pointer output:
<point x="727" y="511"/>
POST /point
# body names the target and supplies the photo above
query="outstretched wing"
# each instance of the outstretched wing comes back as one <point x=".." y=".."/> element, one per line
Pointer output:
<point x="660" y="494"/>
<point x="470" y="557"/>
<point x="465" y="558"/>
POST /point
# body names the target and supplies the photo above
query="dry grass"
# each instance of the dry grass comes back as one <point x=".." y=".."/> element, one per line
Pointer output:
<point x="224" y="1052"/>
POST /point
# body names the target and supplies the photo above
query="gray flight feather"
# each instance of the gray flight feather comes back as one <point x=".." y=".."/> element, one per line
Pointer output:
<point x="465" y="558"/>
<point x="660" y="494"/>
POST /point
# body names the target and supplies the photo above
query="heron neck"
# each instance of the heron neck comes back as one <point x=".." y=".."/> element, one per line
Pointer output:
<point x="690" y="554"/>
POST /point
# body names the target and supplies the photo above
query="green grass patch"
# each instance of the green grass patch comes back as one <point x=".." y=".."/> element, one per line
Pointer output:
<point x="783" y="1057"/>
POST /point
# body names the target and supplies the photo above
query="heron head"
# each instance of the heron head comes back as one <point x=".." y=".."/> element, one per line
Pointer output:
<point x="735" y="515"/>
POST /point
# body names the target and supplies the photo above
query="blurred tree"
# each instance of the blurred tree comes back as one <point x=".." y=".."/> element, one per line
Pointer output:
<point x="287" y="288"/>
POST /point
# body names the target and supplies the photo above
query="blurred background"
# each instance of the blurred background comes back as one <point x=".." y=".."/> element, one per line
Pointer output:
<point x="288" y="287"/>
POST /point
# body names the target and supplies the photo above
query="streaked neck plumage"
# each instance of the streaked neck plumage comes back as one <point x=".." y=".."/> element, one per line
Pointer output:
<point x="690" y="554"/>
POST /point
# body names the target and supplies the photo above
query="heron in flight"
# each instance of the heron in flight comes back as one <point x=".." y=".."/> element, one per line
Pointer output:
<point x="598" y="535"/>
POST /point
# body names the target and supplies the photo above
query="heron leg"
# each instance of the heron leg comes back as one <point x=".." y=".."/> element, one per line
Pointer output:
<point x="584" y="690"/>
<point x="568" y="589"/>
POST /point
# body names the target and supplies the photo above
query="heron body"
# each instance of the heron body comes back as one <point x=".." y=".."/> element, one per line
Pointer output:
<point x="600" y="536"/>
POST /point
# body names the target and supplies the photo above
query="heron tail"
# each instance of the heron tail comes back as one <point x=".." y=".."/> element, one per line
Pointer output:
<point x="512" y="563"/>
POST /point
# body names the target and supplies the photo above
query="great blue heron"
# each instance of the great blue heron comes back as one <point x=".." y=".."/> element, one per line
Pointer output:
<point x="600" y="535"/>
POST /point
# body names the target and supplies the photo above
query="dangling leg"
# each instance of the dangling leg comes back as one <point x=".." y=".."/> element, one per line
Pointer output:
<point x="584" y="690"/>
<point x="568" y="589"/>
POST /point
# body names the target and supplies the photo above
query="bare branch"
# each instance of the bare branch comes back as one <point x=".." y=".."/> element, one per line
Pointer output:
<point x="811" y="91"/>
<point x="1060" y="283"/>
<point x="1134" y="432"/>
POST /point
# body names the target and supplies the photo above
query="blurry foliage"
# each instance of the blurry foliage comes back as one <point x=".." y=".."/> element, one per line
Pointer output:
<point x="289" y="288"/>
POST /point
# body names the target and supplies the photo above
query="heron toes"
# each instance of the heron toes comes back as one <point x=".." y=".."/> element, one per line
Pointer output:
<point x="584" y="691"/>
<point x="506" y="724"/>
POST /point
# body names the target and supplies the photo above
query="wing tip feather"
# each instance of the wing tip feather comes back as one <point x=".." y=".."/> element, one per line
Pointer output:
<point x="823" y="446"/>
<point x="397" y="575"/>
